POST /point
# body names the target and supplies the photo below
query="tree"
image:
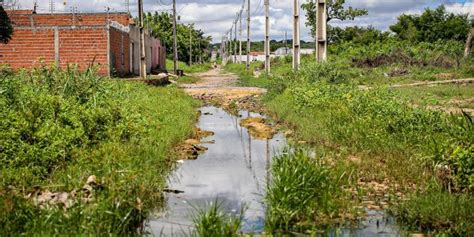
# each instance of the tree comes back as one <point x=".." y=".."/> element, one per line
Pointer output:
<point x="335" y="10"/>
<point x="432" y="25"/>
<point x="358" y="35"/>
<point x="6" y="29"/>
<point x="161" y="26"/>
<point x="468" y="47"/>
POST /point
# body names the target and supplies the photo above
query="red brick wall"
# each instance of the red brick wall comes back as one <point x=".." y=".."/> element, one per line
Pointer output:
<point x="82" y="47"/>
<point x="120" y="51"/>
<point x="33" y="40"/>
<point x="27" y="48"/>
<point x="67" y="19"/>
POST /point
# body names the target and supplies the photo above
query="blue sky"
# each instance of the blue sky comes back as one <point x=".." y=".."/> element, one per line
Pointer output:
<point x="216" y="16"/>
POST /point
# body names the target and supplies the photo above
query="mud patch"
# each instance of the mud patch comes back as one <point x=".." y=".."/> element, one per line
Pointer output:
<point x="258" y="128"/>
<point x="192" y="148"/>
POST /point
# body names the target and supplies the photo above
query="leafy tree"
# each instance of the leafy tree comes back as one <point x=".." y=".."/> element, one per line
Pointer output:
<point x="6" y="29"/>
<point x="335" y="10"/>
<point x="161" y="26"/>
<point x="432" y="25"/>
<point x="360" y="35"/>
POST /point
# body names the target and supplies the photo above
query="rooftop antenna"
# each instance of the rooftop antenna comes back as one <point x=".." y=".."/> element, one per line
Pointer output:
<point x="51" y="6"/>
<point x="127" y="4"/>
<point x="35" y="6"/>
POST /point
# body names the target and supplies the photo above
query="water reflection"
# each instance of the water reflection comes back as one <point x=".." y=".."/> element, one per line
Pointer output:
<point x="234" y="170"/>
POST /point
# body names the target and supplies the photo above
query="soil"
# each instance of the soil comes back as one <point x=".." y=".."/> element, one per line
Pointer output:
<point x="258" y="128"/>
<point x="216" y="87"/>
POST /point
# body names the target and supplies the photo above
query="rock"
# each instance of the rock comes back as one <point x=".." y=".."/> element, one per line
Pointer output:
<point x="91" y="180"/>
<point x="87" y="188"/>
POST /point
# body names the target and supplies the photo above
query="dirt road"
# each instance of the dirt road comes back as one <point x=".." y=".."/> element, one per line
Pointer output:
<point x="220" y="87"/>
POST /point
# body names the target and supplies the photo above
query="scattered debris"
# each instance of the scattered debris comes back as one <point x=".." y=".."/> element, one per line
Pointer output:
<point x="396" y="72"/>
<point x="48" y="199"/>
<point x="175" y="191"/>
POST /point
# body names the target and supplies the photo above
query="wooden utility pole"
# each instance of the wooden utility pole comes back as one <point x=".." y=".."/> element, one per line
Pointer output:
<point x="190" y="46"/>
<point x="296" y="35"/>
<point x="248" y="35"/>
<point x="267" y="36"/>
<point x="286" y="43"/>
<point x="240" y="37"/>
<point x="142" y="41"/>
<point x="321" y="35"/>
<point x="175" y="41"/>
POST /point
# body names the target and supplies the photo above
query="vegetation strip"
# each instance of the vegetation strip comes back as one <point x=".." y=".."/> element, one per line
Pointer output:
<point x="83" y="154"/>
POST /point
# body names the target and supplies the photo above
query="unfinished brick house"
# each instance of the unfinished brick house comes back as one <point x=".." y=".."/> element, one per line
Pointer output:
<point x="104" y="39"/>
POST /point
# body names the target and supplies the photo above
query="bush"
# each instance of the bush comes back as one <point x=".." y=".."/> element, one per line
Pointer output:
<point x="48" y="114"/>
<point x="61" y="127"/>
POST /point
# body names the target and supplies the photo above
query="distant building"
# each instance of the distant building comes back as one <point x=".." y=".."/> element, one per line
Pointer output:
<point x="289" y="51"/>
<point x="104" y="39"/>
<point x="283" y="51"/>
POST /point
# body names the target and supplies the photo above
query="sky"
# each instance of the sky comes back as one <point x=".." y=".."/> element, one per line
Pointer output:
<point x="215" y="17"/>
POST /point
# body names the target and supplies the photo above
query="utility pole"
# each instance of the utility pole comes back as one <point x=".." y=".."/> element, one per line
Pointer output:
<point x="248" y="35"/>
<point x="240" y="36"/>
<point x="296" y="35"/>
<point x="222" y="49"/>
<point x="190" y="46"/>
<point x="231" y="47"/>
<point x="321" y="35"/>
<point x="235" y="38"/>
<point x="267" y="36"/>
<point x="286" y="43"/>
<point x="142" y="41"/>
<point x="175" y="42"/>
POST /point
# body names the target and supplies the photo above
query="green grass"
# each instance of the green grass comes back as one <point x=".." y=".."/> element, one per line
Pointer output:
<point x="397" y="144"/>
<point x="305" y="194"/>
<point x="453" y="213"/>
<point x="213" y="221"/>
<point x="74" y="125"/>
<point x="188" y="80"/>
<point x="440" y="95"/>
<point x="195" y="68"/>
<point x="246" y="78"/>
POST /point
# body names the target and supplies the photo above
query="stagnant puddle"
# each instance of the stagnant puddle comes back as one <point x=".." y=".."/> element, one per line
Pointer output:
<point x="234" y="171"/>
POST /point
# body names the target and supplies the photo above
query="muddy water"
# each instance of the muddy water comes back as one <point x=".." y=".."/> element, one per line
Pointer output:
<point x="233" y="171"/>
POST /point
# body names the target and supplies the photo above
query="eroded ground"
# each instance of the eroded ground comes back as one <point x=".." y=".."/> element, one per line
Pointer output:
<point x="220" y="88"/>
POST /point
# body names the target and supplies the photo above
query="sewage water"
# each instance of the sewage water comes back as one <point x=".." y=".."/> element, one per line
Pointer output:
<point x="234" y="171"/>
